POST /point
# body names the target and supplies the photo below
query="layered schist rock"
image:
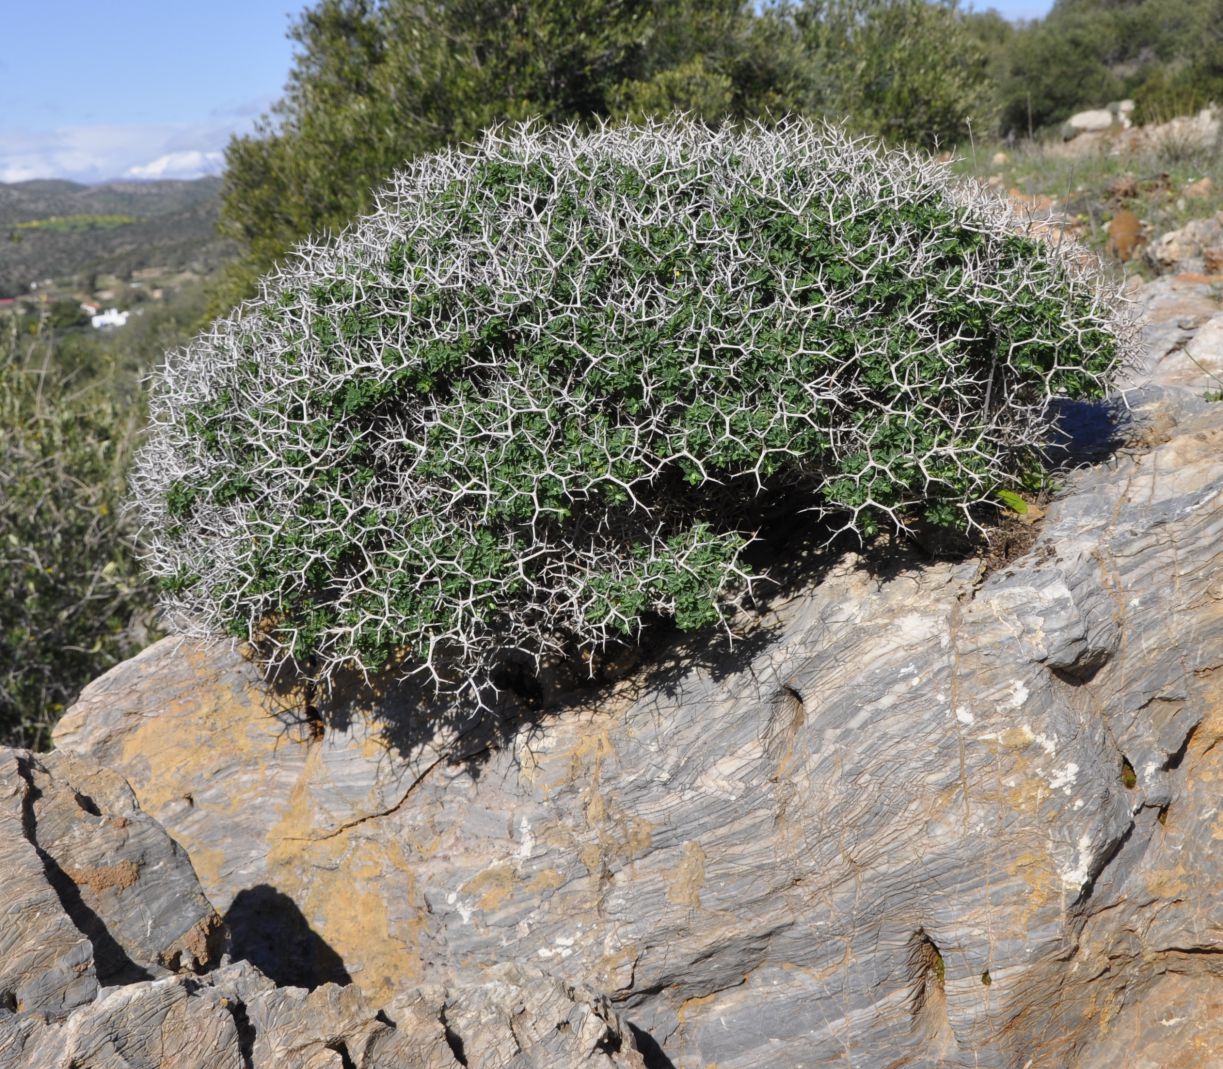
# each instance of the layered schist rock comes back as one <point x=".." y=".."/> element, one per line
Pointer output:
<point x="236" y="1018"/>
<point x="924" y="813"/>
<point x="92" y="890"/>
<point x="110" y="958"/>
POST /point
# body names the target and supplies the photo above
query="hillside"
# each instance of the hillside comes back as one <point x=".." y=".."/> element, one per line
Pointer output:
<point x="52" y="229"/>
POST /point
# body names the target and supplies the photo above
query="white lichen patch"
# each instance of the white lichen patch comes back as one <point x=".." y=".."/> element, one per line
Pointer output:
<point x="1043" y="741"/>
<point x="1016" y="697"/>
<point x="464" y="907"/>
<point x="526" y="841"/>
<point x="562" y="947"/>
<point x="1064" y="778"/>
<point x="1075" y="877"/>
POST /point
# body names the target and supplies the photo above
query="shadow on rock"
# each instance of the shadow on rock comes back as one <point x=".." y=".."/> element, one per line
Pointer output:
<point x="1087" y="432"/>
<point x="651" y="1052"/>
<point x="267" y="929"/>
<point x="793" y="550"/>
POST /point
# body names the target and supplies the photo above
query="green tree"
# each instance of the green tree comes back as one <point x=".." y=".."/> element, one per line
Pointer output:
<point x="65" y="314"/>
<point x="1057" y="67"/>
<point x="714" y="61"/>
<point x="1189" y="72"/>
<point x="1167" y="54"/>
<point x="995" y="37"/>
<point x="908" y="70"/>
<point x="691" y="88"/>
<point x="309" y="165"/>
<point x="375" y="85"/>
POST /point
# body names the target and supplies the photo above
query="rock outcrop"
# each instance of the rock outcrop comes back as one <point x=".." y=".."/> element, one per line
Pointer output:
<point x="236" y="1018"/>
<point x="1088" y="133"/>
<point x="1097" y="120"/>
<point x="110" y="958"/>
<point x="926" y="813"/>
<point x="1195" y="248"/>
<point x="94" y="890"/>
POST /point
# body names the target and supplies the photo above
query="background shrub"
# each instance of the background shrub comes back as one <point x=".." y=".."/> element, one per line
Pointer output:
<point x="913" y="72"/>
<point x="378" y="82"/>
<point x="72" y="599"/>
<point x="1165" y="54"/>
<point x="554" y="383"/>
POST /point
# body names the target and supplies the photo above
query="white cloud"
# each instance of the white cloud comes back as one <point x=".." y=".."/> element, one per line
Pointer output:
<point x="18" y="172"/>
<point x="189" y="164"/>
<point x="106" y="151"/>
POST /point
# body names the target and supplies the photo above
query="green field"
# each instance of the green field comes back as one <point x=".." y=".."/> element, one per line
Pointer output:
<point x="69" y="223"/>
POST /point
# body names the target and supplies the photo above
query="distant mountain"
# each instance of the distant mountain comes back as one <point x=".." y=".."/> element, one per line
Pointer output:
<point x="52" y="228"/>
<point x="45" y="187"/>
<point x="40" y="198"/>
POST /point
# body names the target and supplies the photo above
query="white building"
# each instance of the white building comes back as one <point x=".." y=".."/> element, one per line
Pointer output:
<point x="112" y="317"/>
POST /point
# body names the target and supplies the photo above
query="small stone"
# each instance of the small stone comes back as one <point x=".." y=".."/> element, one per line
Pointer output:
<point x="1200" y="189"/>
<point x="1091" y="121"/>
<point x="1186" y="249"/>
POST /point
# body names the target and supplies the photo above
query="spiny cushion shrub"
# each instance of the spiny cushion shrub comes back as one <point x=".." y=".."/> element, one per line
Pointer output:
<point x="546" y="390"/>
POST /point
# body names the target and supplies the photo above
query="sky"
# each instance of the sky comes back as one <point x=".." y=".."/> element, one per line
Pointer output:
<point x="1013" y="9"/>
<point x="154" y="88"/>
<point x="134" y="88"/>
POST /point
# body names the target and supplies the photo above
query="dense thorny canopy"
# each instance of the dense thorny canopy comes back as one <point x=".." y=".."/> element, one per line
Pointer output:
<point x="548" y="388"/>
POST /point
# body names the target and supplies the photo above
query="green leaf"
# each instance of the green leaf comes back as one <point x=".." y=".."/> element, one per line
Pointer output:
<point x="1012" y="501"/>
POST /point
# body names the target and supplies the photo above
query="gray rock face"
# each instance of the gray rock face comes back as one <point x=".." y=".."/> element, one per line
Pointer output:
<point x="95" y="889"/>
<point x="520" y="1020"/>
<point x="127" y="885"/>
<point x="235" y="1018"/>
<point x="146" y="1025"/>
<point x="924" y="814"/>
<point x="549" y="1023"/>
<point x="1174" y="309"/>
<point x="46" y="964"/>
